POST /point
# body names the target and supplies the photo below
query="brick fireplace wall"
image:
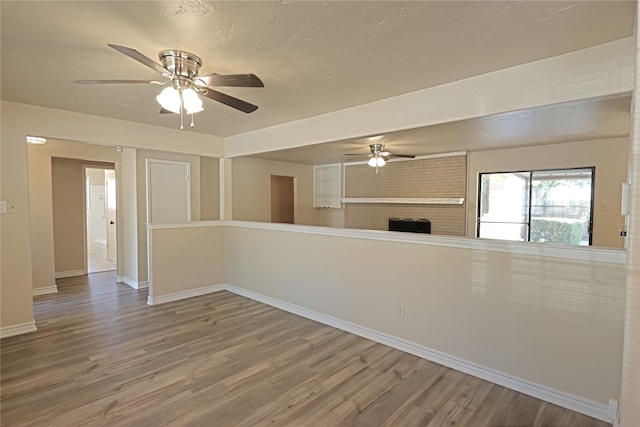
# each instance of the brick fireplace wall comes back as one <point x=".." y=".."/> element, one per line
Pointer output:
<point x="424" y="178"/>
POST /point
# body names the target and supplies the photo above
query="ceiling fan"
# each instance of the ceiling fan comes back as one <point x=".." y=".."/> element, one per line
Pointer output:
<point x="180" y="68"/>
<point x="379" y="156"/>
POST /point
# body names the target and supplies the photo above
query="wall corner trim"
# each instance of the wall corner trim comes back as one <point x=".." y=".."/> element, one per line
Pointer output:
<point x="575" y="403"/>
<point x="53" y="289"/>
<point x="151" y="300"/>
<point x="19" y="329"/>
<point x="134" y="284"/>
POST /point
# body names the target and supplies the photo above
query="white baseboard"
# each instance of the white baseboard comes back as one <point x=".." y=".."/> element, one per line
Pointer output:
<point x="185" y="294"/>
<point x="22" y="328"/>
<point x="143" y="285"/>
<point x="69" y="273"/>
<point x="44" y="290"/>
<point x="566" y="400"/>
<point x="134" y="284"/>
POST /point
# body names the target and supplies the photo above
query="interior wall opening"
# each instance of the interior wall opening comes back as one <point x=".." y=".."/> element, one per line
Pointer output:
<point x="282" y="199"/>
<point x="100" y="219"/>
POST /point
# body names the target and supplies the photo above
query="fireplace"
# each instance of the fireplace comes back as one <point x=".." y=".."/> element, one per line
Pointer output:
<point x="409" y="225"/>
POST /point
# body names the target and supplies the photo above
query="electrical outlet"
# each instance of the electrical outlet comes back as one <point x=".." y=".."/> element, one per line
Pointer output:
<point x="400" y="311"/>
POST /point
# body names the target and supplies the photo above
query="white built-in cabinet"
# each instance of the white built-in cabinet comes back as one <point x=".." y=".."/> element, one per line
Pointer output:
<point x="327" y="186"/>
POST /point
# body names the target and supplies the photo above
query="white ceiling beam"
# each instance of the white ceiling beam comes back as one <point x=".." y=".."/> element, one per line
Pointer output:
<point x="603" y="70"/>
<point x="69" y="126"/>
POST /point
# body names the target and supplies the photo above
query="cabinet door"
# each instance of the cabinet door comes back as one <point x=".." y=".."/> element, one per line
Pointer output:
<point x="168" y="192"/>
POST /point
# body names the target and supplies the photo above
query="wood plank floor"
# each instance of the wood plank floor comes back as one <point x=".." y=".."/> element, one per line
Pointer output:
<point x="102" y="357"/>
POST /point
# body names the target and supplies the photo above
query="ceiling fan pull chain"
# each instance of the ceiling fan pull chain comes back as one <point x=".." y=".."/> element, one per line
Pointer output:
<point x="192" y="123"/>
<point x="181" y="111"/>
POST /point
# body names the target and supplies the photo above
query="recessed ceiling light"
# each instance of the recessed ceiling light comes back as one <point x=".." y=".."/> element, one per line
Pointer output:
<point x="36" y="140"/>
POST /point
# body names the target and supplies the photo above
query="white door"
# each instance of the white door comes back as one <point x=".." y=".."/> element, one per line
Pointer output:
<point x="112" y="239"/>
<point x="168" y="192"/>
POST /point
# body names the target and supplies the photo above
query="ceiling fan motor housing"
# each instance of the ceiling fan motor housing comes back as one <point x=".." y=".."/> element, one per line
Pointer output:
<point x="377" y="148"/>
<point x="180" y="63"/>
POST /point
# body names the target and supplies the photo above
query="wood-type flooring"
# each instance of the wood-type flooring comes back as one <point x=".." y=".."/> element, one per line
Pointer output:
<point x="102" y="357"/>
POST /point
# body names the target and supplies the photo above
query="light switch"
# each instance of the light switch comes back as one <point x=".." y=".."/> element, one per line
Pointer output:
<point x="3" y="206"/>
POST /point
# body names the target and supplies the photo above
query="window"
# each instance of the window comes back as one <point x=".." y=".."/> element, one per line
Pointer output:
<point x="552" y="206"/>
<point x="327" y="186"/>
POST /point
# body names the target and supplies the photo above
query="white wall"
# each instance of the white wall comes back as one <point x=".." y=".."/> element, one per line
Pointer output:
<point x="16" y="276"/>
<point x="209" y="188"/>
<point x="128" y="213"/>
<point x="199" y="250"/>
<point x="541" y="315"/>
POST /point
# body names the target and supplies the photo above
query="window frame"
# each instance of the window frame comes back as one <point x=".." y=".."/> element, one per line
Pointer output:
<point x="530" y="172"/>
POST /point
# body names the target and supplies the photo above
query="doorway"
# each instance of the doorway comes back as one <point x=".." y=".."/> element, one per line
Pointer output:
<point x="100" y="220"/>
<point x="282" y="199"/>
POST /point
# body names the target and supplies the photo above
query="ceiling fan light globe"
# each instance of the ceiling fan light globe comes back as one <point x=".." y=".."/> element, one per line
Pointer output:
<point x="195" y="110"/>
<point x="192" y="102"/>
<point x="380" y="161"/>
<point x="169" y="99"/>
<point x="372" y="162"/>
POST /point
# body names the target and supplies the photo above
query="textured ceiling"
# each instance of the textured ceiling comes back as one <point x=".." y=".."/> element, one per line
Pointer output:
<point x="314" y="57"/>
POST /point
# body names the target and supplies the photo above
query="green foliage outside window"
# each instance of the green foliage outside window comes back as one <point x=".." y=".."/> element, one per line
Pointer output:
<point x="557" y="230"/>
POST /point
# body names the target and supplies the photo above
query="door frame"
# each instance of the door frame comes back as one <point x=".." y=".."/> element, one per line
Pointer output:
<point x="86" y="166"/>
<point x="115" y="218"/>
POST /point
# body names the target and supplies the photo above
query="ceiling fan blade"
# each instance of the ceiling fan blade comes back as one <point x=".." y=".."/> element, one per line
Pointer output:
<point x="229" y="100"/>
<point x="406" y="156"/>
<point x="102" y="82"/>
<point x="232" y="80"/>
<point x="355" y="154"/>
<point x="165" y="111"/>
<point x="134" y="54"/>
